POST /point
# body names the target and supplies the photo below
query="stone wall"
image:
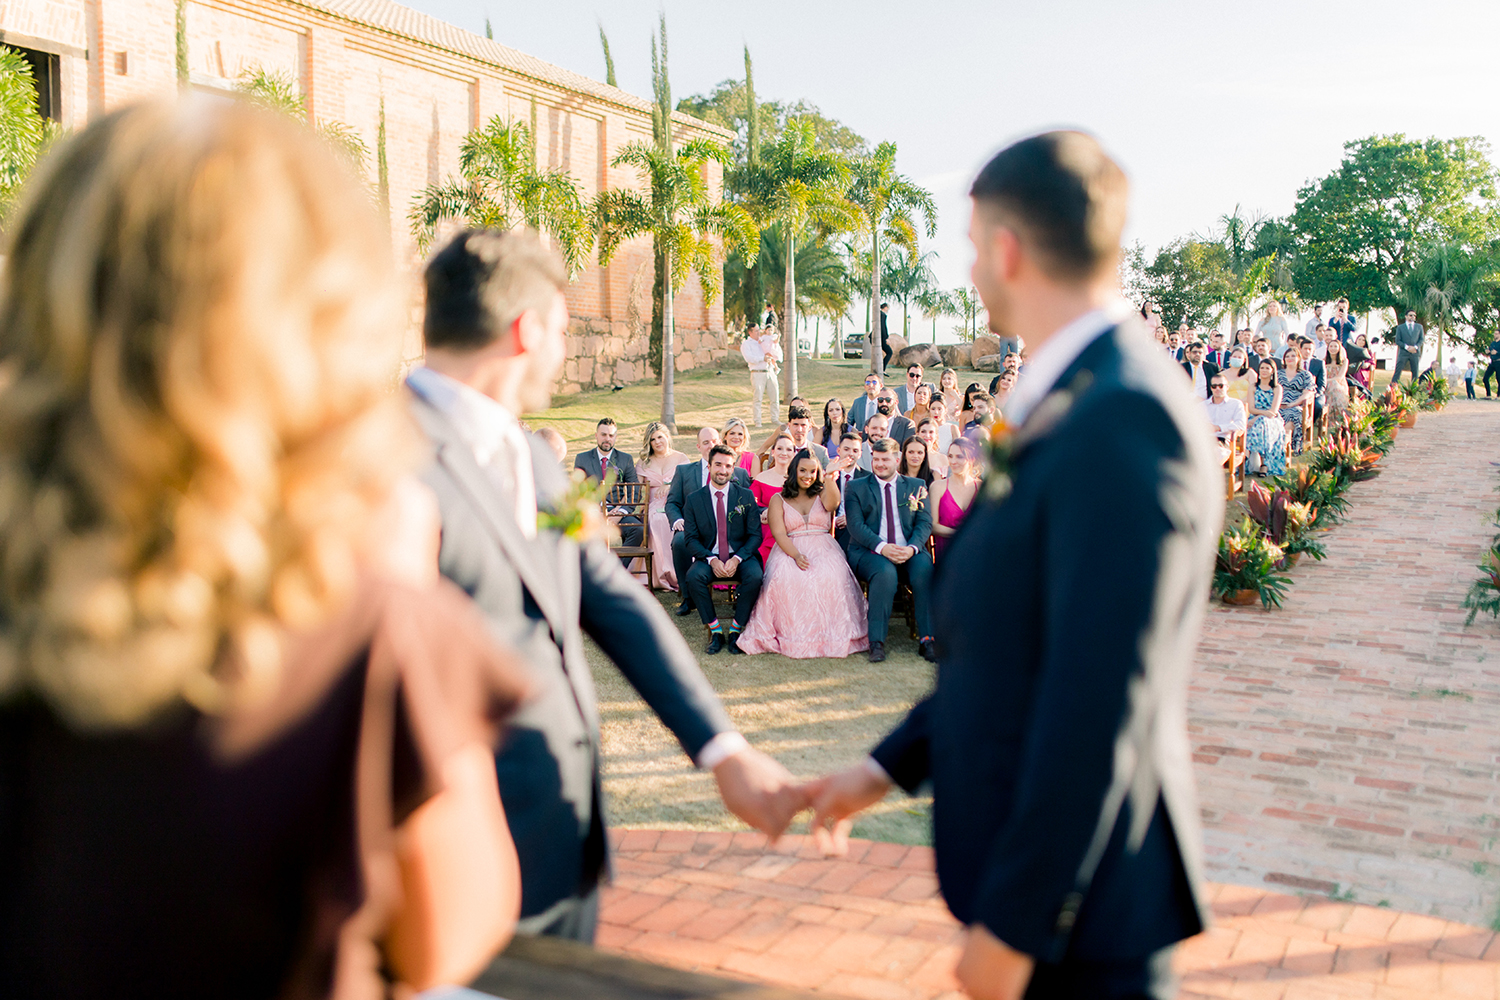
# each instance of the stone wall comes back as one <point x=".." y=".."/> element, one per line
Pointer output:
<point x="600" y="356"/>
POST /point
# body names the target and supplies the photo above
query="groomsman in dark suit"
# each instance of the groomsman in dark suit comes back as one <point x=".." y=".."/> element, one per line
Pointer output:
<point x="722" y="526"/>
<point x="1408" y="339"/>
<point x="1066" y="823"/>
<point x="495" y="330"/>
<point x="851" y="448"/>
<point x="688" y="478"/>
<point x="1199" y="371"/>
<point x="888" y="528"/>
<point x="605" y="456"/>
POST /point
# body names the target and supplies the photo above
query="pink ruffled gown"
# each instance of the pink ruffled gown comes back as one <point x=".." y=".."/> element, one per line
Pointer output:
<point x="808" y="613"/>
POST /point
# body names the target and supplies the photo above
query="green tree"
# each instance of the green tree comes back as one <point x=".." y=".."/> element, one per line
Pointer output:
<point x="1244" y="276"/>
<point x="276" y="91"/>
<point x="1363" y="227"/>
<point x="23" y="131"/>
<point x="1450" y="287"/>
<point x="729" y="105"/>
<point x="890" y="203"/>
<point x="967" y="304"/>
<point x="609" y="60"/>
<point x="800" y="191"/>
<point x="499" y="187"/>
<point x="935" y="303"/>
<point x="1190" y="280"/>
<point x="906" y="277"/>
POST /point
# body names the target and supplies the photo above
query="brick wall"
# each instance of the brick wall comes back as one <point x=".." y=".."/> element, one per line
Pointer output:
<point x="437" y="83"/>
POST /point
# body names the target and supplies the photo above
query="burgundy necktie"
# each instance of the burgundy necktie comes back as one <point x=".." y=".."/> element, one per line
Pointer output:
<point x="723" y="526"/>
<point x="890" y="517"/>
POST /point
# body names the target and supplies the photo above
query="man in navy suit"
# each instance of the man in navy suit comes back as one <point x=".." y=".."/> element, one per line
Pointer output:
<point x="687" y="479"/>
<point x="888" y="528"/>
<point x="722" y="527"/>
<point x="1066" y="822"/>
<point x="850" y="450"/>
<point x="605" y="456"/>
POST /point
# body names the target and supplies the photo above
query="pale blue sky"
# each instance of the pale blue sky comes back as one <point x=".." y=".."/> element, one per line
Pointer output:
<point x="1206" y="104"/>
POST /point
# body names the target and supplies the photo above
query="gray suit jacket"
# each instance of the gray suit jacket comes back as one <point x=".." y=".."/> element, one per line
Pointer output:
<point x="1409" y="337"/>
<point x="541" y="595"/>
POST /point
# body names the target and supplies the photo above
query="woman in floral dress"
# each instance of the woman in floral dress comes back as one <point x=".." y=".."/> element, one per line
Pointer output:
<point x="1297" y="387"/>
<point x="1265" y="440"/>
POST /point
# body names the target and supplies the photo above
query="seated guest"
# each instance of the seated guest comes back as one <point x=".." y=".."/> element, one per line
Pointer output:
<point x="736" y="437"/>
<point x="874" y="431"/>
<point x="555" y="441"/>
<point x="218" y="590"/>
<point x="722" y="525"/>
<point x="1239" y="377"/>
<point x="1013" y="363"/>
<point x="1297" y="388"/>
<point x="984" y="415"/>
<point x="897" y="427"/>
<point x="1265" y="440"/>
<point x="778" y="463"/>
<point x="763" y="453"/>
<point x="948" y="390"/>
<point x="1218" y="354"/>
<point x="927" y="430"/>
<point x="1198" y="371"/>
<point x="947" y="430"/>
<point x="924" y="394"/>
<point x="834" y="426"/>
<point x="906" y="395"/>
<point x="914" y="461"/>
<point x="810" y="604"/>
<point x="845" y="468"/>
<point x="863" y="408"/>
<point x="658" y="467"/>
<point x="966" y="413"/>
<point x="799" y="426"/>
<point x="1260" y="352"/>
<point x="1319" y="371"/>
<point x="603" y="457"/>
<point x="1227" y="415"/>
<point x="950" y="499"/>
<point x="687" y="479"/>
<point x="888" y="529"/>
<point x="1005" y="383"/>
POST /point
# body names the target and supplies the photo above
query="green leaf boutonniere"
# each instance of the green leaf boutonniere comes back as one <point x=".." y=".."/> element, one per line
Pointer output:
<point x="1007" y="441"/>
<point x="579" y="512"/>
<point x="739" y="508"/>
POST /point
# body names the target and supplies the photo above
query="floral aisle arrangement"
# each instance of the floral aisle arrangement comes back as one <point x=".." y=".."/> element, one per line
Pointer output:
<point x="1246" y="568"/>
<point x="1430" y="395"/>
<point x="1484" y="595"/>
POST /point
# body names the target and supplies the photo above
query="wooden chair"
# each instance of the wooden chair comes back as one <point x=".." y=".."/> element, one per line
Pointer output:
<point x="630" y="503"/>
<point x="1234" y="465"/>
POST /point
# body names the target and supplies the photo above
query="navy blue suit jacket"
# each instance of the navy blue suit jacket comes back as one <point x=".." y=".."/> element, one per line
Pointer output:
<point x="700" y="526"/>
<point x="862" y="511"/>
<point x="687" y="479"/>
<point x="1065" y="817"/>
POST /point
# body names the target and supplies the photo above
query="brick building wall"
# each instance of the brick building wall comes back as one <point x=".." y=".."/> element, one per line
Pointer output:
<point x="438" y="82"/>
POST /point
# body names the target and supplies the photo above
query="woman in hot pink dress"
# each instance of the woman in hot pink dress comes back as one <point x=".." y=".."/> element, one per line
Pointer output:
<point x="810" y="604"/>
<point x="951" y="498"/>
<point x="769" y="483"/>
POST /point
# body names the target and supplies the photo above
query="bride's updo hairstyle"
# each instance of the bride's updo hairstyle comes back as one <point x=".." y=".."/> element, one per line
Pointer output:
<point x="199" y="337"/>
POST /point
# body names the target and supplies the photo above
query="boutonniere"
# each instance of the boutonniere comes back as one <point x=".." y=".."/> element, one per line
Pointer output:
<point x="914" y="502"/>
<point x="579" y="512"/>
<point x="739" y="508"/>
<point x="1007" y="441"/>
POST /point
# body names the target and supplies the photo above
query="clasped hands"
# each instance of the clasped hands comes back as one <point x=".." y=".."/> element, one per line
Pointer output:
<point x="898" y="554"/>
<point x="722" y="569"/>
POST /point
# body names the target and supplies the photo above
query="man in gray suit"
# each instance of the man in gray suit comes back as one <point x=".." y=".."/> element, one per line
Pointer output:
<point x="495" y="330"/>
<point x="1408" y="338"/>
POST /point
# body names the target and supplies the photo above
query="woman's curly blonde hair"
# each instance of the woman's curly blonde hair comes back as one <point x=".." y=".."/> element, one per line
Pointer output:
<point x="199" y="337"/>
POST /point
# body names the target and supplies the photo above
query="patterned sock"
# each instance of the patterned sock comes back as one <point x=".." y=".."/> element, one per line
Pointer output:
<point x="714" y="626"/>
<point x="735" y="627"/>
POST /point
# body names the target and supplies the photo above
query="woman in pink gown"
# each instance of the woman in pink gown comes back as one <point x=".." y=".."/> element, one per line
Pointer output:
<point x="658" y="461"/>
<point x="810" y="604"/>
<point x="769" y="483"/>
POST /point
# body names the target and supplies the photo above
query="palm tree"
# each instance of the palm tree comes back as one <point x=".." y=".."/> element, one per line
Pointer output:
<point x="906" y="277"/>
<point x="798" y="189"/>
<point x="935" y="302"/>
<point x="889" y="202"/>
<point x="276" y="91"/>
<point x="1238" y="236"/>
<point x="23" y="131"/>
<point x="677" y="211"/>
<point x="966" y="303"/>
<point x="1446" y="280"/>
<point x="499" y="187"/>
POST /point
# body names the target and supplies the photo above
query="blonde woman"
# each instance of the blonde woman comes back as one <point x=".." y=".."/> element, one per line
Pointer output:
<point x="656" y="466"/>
<point x="736" y="437"/>
<point x="215" y="599"/>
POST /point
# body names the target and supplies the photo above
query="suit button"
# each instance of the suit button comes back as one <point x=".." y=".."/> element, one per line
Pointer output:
<point x="1069" y="915"/>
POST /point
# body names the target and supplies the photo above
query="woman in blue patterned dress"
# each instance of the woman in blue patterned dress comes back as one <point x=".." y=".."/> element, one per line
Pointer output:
<point x="1297" y="387"/>
<point x="1264" y="447"/>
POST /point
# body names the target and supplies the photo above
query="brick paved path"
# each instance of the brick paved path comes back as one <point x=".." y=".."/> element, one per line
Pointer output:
<point x="872" y="925"/>
<point x="1349" y="743"/>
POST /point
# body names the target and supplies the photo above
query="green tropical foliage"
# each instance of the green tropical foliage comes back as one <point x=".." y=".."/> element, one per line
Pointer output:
<point x="891" y="204"/>
<point x="24" y="133"/>
<point x="1248" y="560"/>
<point x="499" y="187"/>
<point x="276" y="91"/>
<point x="730" y="103"/>
<point x="1450" y="286"/>
<point x="1484" y="594"/>
<point x="907" y="277"/>
<point x="609" y="60"/>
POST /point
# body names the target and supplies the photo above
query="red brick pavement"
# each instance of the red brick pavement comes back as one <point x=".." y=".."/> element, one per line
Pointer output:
<point x="1349" y="743"/>
<point x="872" y="925"/>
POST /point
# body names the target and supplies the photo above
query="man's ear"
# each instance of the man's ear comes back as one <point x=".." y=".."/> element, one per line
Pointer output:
<point x="525" y="332"/>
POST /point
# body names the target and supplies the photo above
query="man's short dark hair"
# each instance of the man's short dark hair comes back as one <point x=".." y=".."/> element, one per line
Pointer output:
<point x="1064" y="197"/>
<point x="978" y="396"/>
<point x="798" y="413"/>
<point x="850" y="435"/>
<point x="605" y="422"/>
<point x="885" y="444"/>
<point x="482" y="281"/>
<point x="720" y="449"/>
<point x="885" y="305"/>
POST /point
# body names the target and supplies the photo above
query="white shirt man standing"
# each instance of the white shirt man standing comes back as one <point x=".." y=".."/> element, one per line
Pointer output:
<point x="763" y="354"/>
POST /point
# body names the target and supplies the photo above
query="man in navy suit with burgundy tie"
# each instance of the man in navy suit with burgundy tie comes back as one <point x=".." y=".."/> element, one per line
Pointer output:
<point x="1065" y="817"/>
<point x="888" y="528"/>
<point x="721" y="526"/>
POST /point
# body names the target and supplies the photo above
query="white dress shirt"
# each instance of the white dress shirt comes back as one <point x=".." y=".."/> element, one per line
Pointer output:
<point x="1200" y="384"/>
<point x="881" y="486"/>
<point x="1226" y="416"/>
<point x="754" y="354"/>
<point x="493" y="435"/>
<point x="1057" y="353"/>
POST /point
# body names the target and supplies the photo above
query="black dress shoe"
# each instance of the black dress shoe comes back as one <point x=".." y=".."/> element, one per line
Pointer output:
<point x="734" y="644"/>
<point x="877" y="652"/>
<point x="715" y="643"/>
<point x="928" y="649"/>
<point x="684" y="609"/>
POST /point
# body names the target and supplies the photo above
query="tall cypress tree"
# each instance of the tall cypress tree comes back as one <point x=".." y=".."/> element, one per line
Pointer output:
<point x="661" y="135"/>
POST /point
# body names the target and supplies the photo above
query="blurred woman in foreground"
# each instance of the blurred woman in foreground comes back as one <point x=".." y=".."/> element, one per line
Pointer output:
<point x="245" y="736"/>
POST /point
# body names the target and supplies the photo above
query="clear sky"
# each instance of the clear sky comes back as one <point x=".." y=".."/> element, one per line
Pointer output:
<point x="1205" y="104"/>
